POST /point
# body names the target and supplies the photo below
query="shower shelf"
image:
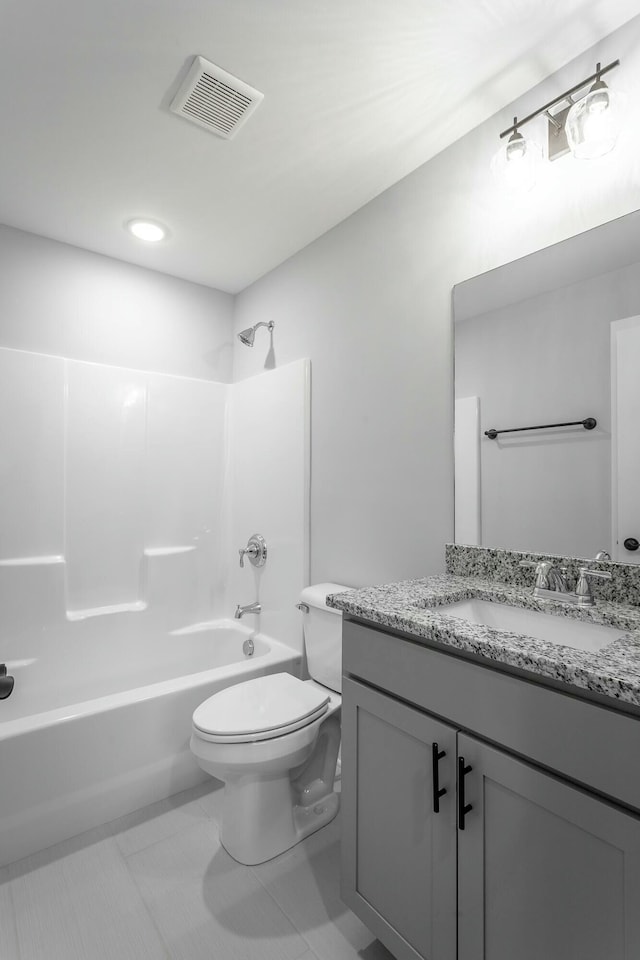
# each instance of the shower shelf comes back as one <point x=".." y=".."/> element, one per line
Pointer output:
<point x="167" y="551"/>
<point x="135" y="607"/>
<point x="43" y="561"/>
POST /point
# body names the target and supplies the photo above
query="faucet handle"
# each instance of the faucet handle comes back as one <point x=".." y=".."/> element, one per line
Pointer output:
<point x="583" y="587"/>
<point x="599" y="574"/>
<point x="543" y="568"/>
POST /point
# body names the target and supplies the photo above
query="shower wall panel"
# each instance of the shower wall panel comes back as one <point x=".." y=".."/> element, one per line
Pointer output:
<point x="32" y="455"/>
<point x="269" y="484"/>
<point x="105" y="486"/>
<point x="185" y="488"/>
<point x="111" y="488"/>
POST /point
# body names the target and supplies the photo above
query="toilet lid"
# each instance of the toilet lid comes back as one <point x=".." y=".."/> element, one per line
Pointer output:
<point x="261" y="708"/>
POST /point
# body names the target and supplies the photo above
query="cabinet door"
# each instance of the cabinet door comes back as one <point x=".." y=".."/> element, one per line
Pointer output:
<point x="398" y="855"/>
<point x="545" y="870"/>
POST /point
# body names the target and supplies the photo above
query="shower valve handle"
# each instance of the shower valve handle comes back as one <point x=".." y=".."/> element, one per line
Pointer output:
<point x="256" y="550"/>
<point x="249" y="551"/>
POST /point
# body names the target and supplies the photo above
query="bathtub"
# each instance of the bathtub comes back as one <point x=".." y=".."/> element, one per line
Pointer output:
<point x="82" y="746"/>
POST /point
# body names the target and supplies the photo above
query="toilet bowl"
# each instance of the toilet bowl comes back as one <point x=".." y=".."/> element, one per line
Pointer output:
<point x="274" y="742"/>
<point x="279" y="777"/>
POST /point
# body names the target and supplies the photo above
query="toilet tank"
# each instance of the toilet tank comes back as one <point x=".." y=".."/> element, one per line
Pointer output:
<point x="323" y="634"/>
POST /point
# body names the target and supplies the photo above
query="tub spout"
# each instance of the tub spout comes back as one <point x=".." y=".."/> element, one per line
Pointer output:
<point x="250" y="608"/>
<point x="6" y="683"/>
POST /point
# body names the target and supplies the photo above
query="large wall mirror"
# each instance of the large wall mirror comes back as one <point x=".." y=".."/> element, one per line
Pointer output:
<point x="553" y="338"/>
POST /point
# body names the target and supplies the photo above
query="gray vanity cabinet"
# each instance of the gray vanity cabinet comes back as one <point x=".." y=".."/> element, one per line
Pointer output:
<point x="545" y="870"/>
<point x="399" y="858"/>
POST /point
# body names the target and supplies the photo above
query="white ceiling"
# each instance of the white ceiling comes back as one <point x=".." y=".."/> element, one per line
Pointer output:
<point x="358" y="93"/>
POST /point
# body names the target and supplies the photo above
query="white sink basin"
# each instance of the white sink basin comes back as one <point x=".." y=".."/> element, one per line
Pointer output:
<point x="532" y="623"/>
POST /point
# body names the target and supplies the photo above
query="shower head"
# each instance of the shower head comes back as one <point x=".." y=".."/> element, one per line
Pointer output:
<point x="248" y="336"/>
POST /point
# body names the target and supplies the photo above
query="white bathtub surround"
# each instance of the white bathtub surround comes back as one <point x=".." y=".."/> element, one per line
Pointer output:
<point x="114" y="577"/>
<point x="157" y="883"/>
<point x="106" y="737"/>
<point x="131" y="492"/>
<point x="269" y="477"/>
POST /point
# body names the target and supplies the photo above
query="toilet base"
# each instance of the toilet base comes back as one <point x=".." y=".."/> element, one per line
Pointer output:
<point x="261" y="821"/>
<point x="277" y="791"/>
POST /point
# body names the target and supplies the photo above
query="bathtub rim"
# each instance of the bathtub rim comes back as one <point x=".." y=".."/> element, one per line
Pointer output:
<point x="277" y="652"/>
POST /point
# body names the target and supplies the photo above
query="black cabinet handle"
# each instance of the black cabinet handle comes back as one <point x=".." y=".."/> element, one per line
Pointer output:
<point x="631" y="543"/>
<point x="436" y="756"/>
<point x="463" y="808"/>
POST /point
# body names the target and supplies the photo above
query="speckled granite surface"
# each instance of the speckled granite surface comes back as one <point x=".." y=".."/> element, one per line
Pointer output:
<point x="504" y="565"/>
<point x="418" y="607"/>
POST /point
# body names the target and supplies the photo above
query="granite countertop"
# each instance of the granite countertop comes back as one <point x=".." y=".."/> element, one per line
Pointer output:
<point x="613" y="671"/>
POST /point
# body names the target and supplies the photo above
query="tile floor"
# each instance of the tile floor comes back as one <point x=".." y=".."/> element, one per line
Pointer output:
<point x="157" y="885"/>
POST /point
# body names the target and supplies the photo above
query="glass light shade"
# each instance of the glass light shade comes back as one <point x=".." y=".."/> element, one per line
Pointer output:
<point x="516" y="147"/>
<point x="147" y="230"/>
<point x="516" y="165"/>
<point x="593" y="123"/>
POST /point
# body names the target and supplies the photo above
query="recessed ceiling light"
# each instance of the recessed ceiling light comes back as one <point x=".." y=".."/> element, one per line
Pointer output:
<point x="148" y="230"/>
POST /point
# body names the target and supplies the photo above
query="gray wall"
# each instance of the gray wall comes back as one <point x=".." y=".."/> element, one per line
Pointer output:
<point x="544" y="360"/>
<point x="59" y="299"/>
<point x="370" y="304"/>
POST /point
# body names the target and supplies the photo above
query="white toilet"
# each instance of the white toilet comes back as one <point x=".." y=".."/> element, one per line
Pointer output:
<point x="274" y="741"/>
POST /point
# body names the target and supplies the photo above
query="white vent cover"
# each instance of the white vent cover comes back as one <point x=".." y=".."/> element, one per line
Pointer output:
<point x="214" y="99"/>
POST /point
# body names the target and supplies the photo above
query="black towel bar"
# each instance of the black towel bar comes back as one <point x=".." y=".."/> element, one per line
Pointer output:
<point x="588" y="424"/>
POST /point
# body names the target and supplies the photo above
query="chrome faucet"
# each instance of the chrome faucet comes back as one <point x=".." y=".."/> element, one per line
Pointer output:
<point x="557" y="577"/>
<point x="254" y="607"/>
<point x="548" y="577"/>
<point x="551" y="583"/>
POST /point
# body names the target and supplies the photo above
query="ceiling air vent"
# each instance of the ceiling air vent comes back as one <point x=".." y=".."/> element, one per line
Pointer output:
<point x="214" y="99"/>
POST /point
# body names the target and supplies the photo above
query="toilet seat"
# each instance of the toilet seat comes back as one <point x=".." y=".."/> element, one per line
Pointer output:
<point x="260" y="709"/>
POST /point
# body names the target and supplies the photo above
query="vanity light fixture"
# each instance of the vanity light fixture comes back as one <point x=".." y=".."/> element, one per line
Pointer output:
<point x="516" y="165"/>
<point x="593" y="123"/>
<point x="586" y="126"/>
<point x="149" y="230"/>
